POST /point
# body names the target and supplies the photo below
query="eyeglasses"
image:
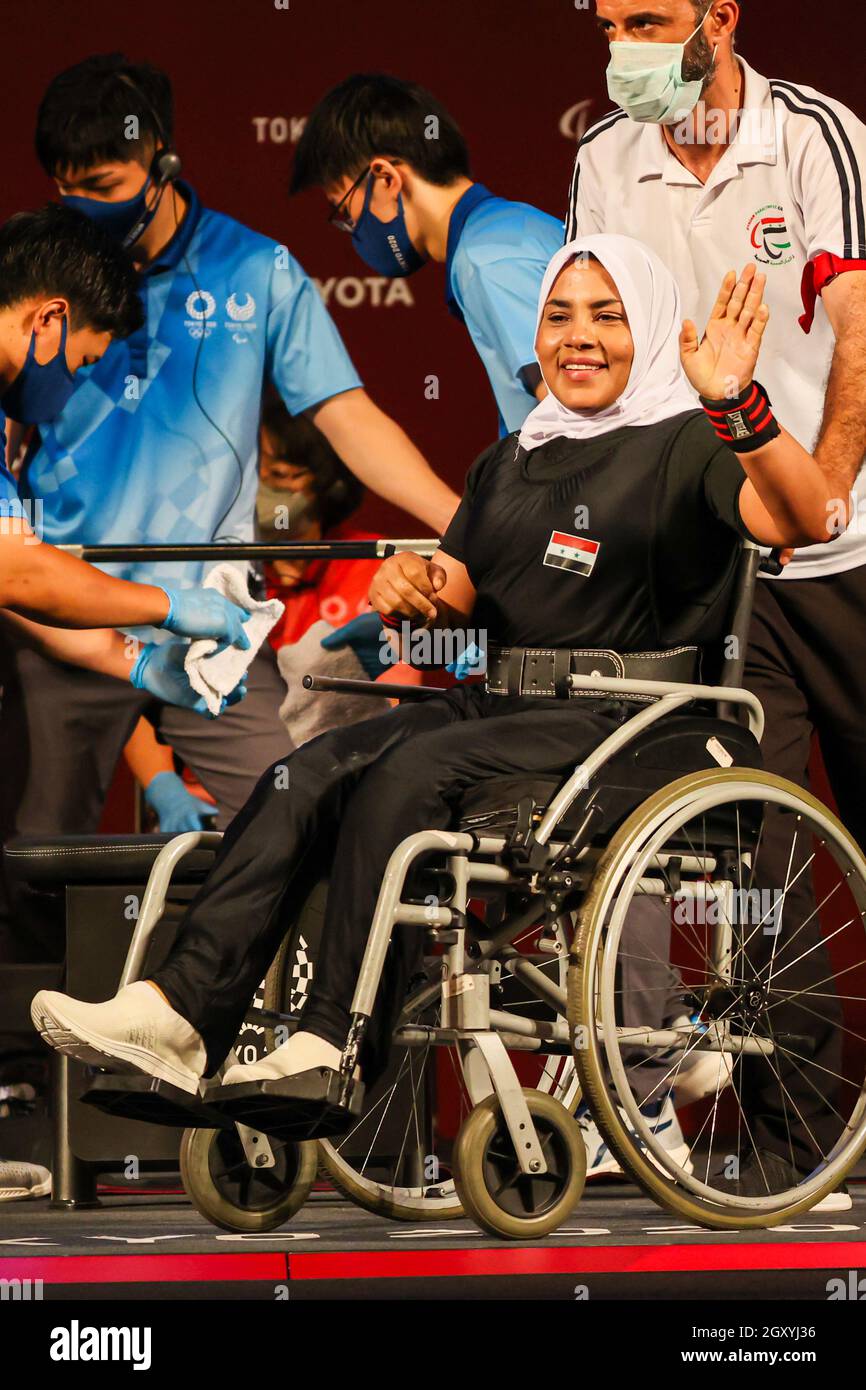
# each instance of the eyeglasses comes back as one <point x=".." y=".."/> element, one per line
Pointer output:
<point x="339" y="217"/>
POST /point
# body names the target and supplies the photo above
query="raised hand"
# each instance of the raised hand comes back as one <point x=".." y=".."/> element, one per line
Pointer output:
<point x="722" y="364"/>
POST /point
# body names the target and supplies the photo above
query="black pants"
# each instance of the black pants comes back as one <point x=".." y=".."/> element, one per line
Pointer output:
<point x="341" y="804"/>
<point x="807" y="664"/>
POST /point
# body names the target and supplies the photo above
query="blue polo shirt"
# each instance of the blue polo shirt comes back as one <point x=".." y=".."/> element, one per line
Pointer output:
<point x="10" y="503"/>
<point x="497" y="254"/>
<point x="159" y="440"/>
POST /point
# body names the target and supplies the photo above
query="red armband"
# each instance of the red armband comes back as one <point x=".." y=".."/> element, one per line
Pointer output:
<point x="817" y="275"/>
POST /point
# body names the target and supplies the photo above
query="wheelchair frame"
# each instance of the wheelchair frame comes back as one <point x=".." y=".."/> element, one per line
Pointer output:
<point x="479" y="865"/>
<point x="483" y="1035"/>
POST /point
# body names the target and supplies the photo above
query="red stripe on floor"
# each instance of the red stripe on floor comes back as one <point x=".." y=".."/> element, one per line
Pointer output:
<point x="616" y="1259"/>
<point x="431" y="1264"/>
<point x="147" y="1269"/>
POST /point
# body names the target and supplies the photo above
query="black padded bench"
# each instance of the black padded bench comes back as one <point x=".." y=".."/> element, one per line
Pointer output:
<point x="98" y="883"/>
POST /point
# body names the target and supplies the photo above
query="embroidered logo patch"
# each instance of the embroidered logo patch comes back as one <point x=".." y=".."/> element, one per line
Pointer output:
<point x="573" y="553"/>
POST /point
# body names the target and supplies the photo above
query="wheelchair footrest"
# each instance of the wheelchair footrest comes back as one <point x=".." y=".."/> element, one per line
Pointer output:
<point x="135" y="1096"/>
<point x="304" y="1106"/>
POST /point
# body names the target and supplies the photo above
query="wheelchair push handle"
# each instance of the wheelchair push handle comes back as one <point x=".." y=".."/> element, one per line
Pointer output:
<point x="772" y="564"/>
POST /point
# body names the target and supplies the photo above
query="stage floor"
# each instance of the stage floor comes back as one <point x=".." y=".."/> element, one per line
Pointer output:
<point x="618" y="1245"/>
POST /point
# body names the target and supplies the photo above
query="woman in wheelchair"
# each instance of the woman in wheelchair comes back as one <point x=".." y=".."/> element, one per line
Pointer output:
<point x="606" y="534"/>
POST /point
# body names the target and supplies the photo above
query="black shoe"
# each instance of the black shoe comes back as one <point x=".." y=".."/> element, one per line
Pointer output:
<point x="775" y="1174"/>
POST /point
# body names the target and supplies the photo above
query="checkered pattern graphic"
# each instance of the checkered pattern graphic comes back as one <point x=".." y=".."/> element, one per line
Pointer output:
<point x="303" y="970"/>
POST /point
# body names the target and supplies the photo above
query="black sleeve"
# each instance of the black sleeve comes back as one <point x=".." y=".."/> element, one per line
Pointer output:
<point x="697" y="526"/>
<point x="454" y="540"/>
<point x="724" y="478"/>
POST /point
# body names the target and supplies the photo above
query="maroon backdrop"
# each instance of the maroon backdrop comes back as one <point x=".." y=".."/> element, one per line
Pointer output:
<point x="521" y="76"/>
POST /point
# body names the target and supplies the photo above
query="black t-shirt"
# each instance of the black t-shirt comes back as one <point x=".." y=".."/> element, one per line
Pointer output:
<point x="627" y="541"/>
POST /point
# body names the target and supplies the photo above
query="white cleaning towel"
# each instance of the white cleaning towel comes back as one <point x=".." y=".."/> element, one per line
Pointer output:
<point x="214" y="677"/>
<point x="308" y="713"/>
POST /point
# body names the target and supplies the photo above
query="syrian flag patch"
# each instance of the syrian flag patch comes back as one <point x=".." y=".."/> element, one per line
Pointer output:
<point x="573" y="553"/>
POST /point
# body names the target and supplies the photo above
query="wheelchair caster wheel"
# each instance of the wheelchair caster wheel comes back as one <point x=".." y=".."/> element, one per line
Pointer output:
<point x="494" y="1192"/>
<point x="229" y="1193"/>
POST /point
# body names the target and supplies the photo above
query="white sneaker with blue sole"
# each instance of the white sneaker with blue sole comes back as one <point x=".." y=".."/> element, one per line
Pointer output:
<point x="661" y="1117"/>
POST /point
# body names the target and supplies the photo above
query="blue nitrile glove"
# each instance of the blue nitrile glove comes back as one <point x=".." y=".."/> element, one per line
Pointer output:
<point x="206" y="613"/>
<point x="176" y="808"/>
<point x="364" y="636"/>
<point x="159" y="670"/>
<point x="471" y="663"/>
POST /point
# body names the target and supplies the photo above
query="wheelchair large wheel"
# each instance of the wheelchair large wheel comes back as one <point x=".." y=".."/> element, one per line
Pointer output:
<point x="396" y="1159"/>
<point x="229" y="1192"/>
<point x="770" y="974"/>
<point x="496" y="1194"/>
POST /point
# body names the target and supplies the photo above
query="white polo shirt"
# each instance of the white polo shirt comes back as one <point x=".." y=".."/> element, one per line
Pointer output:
<point x="789" y="188"/>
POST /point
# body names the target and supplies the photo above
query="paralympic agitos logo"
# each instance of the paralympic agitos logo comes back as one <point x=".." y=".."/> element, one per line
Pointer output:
<point x="769" y="236"/>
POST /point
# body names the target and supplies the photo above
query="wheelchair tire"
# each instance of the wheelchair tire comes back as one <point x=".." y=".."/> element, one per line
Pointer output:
<point x="603" y="1051"/>
<point x="499" y="1198"/>
<point x="228" y="1192"/>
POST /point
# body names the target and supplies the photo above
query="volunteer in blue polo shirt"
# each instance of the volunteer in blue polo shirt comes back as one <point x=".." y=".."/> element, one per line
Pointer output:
<point x="65" y="293"/>
<point x="395" y="167"/>
<point x="158" y="442"/>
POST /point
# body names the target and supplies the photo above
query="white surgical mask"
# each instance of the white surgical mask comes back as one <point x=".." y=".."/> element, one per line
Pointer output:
<point x="646" y="80"/>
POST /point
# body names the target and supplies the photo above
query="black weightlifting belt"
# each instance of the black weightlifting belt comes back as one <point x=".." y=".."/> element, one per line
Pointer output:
<point x="545" y="671"/>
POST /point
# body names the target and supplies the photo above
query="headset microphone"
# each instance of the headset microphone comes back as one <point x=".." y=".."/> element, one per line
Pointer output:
<point x="165" y="166"/>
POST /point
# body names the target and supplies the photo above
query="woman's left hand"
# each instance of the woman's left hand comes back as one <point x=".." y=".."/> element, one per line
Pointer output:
<point x="722" y="365"/>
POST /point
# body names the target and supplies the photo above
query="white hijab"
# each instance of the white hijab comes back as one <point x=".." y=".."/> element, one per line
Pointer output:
<point x="657" y="386"/>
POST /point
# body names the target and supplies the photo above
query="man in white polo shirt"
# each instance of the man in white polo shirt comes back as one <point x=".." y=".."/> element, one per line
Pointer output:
<point x="710" y="163"/>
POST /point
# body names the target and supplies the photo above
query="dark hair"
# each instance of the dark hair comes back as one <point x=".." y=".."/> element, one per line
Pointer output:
<point x="56" y="251"/>
<point x="83" y="116"/>
<point x="373" y="114"/>
<point x="337" y="491"/>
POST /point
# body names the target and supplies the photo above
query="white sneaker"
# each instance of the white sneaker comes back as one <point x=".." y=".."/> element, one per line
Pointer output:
<point x="663" y="1123"/>
<point x="302" y="1052"/>
<point x="840" y="1200"/>
<point x="137" y="1029"/>
<point x="600" y="1162"/>
<point x="20" y="1181"/>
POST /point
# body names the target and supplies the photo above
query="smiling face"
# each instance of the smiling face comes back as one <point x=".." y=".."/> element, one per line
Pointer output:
<point x="584" y="342"/>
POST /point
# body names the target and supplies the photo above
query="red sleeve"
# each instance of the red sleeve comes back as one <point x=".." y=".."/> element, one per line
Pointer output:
<point x="817" y="275"/>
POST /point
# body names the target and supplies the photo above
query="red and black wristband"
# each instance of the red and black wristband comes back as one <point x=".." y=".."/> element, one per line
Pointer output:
<point x="745" y="423"/>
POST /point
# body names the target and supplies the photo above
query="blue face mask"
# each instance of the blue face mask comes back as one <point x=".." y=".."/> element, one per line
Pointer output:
<point x="385" y="246"/>
<point x="125" y="221"/>
<point x="41" y="389"/>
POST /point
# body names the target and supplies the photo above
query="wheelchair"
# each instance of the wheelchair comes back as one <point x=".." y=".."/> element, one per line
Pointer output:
<point x="523" y="1010"/>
